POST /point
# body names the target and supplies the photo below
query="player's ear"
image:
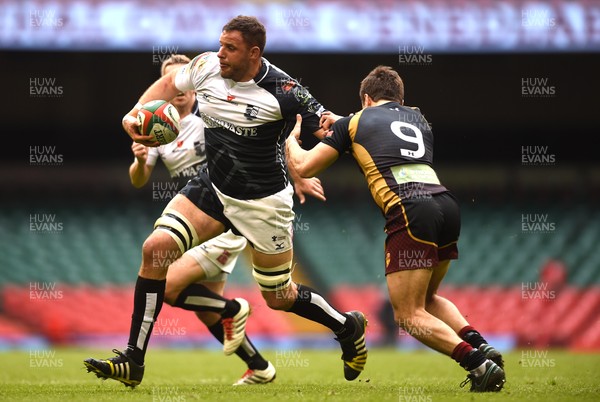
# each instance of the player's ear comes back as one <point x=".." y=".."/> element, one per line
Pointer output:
<point x="255" y="52"/>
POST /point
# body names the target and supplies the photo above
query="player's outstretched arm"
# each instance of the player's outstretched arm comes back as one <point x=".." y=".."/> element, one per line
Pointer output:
<point x="163" y="88"/>
<point x="308" y="163"/>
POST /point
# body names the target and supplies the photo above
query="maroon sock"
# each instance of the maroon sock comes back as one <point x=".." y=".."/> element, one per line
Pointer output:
<point x="468" y="357"/>
<point x="460" y="351"/>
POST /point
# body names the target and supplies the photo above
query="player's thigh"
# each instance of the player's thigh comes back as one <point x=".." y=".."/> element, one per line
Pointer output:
<point x="220" y="254"/>
<point x="205" y="226"/>
<point x="437" y="276"/>
<point x="408" y="289"/>
<point x="266" y="222"/>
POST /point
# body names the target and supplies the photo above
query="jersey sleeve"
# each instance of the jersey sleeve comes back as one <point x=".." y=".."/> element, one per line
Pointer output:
<point x="310" y="110"/>
<point x="297" y="99"/>
<point x="340" y="139"/>
<point x="192" y="72"/>
<point x="152" y="156"/>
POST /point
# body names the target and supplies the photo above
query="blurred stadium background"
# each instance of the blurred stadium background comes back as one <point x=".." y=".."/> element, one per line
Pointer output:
<point x="510" y="88"/>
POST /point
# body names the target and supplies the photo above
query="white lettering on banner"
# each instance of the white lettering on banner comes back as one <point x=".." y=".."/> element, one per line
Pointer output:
<point x="327" y="26"/>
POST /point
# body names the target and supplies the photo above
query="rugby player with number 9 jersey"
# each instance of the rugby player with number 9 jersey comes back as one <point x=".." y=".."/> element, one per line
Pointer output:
<point x="393" y="145"/>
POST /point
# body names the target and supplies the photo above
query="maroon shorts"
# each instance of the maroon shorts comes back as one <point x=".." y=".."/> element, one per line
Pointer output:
<point x="422" y="232"/>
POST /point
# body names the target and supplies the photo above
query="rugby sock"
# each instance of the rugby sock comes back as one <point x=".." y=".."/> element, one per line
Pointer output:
<point x="472" y="336"/>
<point x="469" y="358"/>
<point x="311" y="305"/>
<point x="197" y="297"/>
<point x="147" y="302"/>
<point x="247" y="352"/>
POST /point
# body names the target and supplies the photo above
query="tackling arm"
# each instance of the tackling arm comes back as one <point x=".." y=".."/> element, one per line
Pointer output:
<point x="308" y="163"/>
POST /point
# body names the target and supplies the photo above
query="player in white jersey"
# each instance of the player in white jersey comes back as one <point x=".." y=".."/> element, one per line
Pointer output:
<point x="249" y="108"/>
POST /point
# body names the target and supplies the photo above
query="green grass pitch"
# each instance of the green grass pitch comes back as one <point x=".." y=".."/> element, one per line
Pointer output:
<point x="302" y="375"/>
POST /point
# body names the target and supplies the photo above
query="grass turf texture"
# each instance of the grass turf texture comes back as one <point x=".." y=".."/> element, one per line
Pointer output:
<point x="306" y="375"/>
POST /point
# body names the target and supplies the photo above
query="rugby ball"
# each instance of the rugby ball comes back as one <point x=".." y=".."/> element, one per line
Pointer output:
<point x="159" y="119"/>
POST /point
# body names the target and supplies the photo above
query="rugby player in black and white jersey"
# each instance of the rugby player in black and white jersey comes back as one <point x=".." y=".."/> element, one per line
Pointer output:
<point x="206" y="265"/>
<point x="248" y="106"/>
<point x="393" y="146"/>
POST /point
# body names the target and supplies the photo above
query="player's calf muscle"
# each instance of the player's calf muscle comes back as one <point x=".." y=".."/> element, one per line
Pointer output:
<point x="282" y="299"/>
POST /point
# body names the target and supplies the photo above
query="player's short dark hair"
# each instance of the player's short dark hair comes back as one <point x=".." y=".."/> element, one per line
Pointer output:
<point x="252" y="30"/>
<point x="173" y="59"/>
<point x="383" y="82"/>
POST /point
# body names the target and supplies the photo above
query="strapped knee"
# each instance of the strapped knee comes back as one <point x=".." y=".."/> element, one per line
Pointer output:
<point x="179" y="228"/>
<point x="272" y="279"/>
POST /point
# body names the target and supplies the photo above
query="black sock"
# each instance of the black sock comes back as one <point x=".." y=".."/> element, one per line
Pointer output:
<point x="247" y="352"/>
<point x="472" y="360"/>
<point x="147" y="302"/>
<point x="197" y="297"/>
<point x="472" y="336"/>
<point x="311" y="305"/>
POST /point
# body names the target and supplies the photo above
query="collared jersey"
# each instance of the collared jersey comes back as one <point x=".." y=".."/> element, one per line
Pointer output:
<point x="247" y="124"/>
<point x="393" y="146"/>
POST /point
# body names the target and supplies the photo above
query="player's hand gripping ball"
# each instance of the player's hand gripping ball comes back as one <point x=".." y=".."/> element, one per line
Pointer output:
<point x="159" y="119"/>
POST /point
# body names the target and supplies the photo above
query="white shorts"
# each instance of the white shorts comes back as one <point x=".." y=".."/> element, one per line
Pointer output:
<point x="218" y="256"/>
<point x="265" y="222"/>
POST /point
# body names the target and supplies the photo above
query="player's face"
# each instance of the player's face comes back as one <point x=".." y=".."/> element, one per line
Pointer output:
<point x="234" y="56"/>
<point x="182" y="99"/>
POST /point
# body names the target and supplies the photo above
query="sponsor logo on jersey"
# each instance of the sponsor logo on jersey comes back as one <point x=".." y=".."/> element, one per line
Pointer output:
<point x="251" y="112"/>
<point x="213" y="122"/>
